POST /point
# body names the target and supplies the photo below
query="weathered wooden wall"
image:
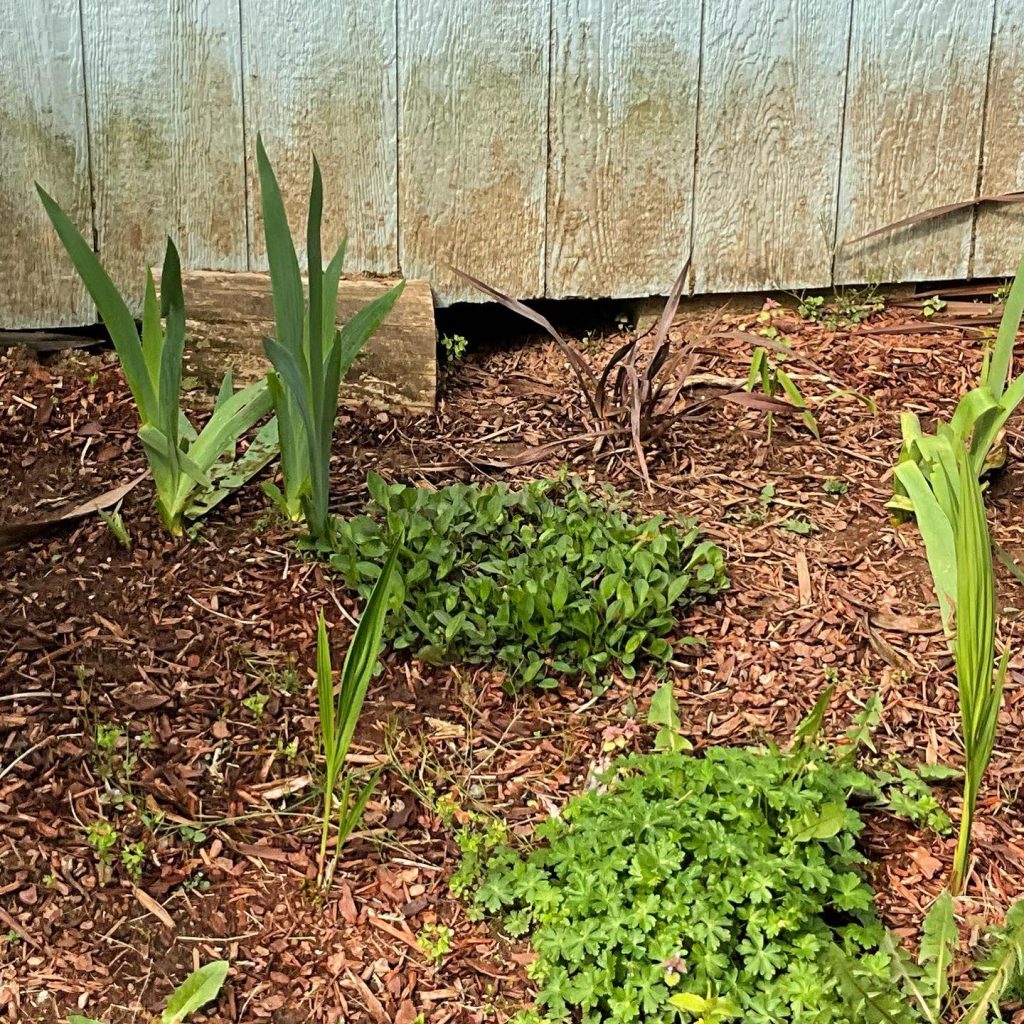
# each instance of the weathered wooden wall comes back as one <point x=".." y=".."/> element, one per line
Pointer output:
<point x="552" y="147"/>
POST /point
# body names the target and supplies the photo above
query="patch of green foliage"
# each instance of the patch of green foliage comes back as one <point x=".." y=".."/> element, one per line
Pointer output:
<point x="847" y="308"/>
<point x="454" y="346"/>
<point x="548" y="580"/>
<point x="708" y="888"/>
<point x="801" y="525"/>
<point x="927" y="995"/>
<point x="435" y="942"/>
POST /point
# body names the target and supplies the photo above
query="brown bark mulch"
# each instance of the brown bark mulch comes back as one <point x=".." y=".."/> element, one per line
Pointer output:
<point x="195" y="656"/>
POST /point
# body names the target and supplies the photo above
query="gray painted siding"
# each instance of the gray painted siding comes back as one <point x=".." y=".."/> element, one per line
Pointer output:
<point x="551" y="147"/>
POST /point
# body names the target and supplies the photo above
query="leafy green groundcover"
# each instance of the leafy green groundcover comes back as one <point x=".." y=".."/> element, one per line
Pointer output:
<point x="545" y="580"/>
<point x="695" y="889"/>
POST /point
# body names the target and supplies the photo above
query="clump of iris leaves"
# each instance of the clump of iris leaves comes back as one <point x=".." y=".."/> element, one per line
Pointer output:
<point x="712" y="888"/>
<point x="544" y="581"/>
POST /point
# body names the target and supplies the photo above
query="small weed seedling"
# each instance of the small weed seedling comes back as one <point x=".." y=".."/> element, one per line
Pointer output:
<point x="847" y="308"/>
<point x="289" y="751"/>
<point x="116" y="525"/>
<point x="435" y="942"/>
<point x="756" y="513"/>
<point x="454" y="346"/>
<point x="773" y="380"/>
<point x="664" y="713"/>
<point x="812" y="307"/>
<point x="256" y="704"/>
<point x="107" y="737"/>
<point x="198" y="989"/>
<point x="800" y="525"/>
<point x="133" y="856"/>
<point x="191" y="834"/>
<point x="114" y="762"/>
<point x="103" y="838"/>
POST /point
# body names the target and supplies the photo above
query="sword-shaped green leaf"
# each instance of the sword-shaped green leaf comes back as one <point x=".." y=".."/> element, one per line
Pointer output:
<point x="198" y="989"/>
<point x="112" y="308"/>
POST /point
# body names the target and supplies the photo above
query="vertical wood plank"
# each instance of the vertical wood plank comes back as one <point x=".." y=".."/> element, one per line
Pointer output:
<point x="769" y="137"/>
<point x="473" y="93"/>
<point x="912" y="138"/>
<point x="623" y="125"/>
<point x="321" y="78"/>
<point x="42" y="138"/>
<point x="999" y="230"/>
<point x="165" y="121"/>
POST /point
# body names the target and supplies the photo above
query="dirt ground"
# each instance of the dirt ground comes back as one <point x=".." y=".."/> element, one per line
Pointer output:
<point x="195" y="656"/>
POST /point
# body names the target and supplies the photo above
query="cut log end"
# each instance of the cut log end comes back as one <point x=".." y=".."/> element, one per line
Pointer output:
<point x="230" y="313"/>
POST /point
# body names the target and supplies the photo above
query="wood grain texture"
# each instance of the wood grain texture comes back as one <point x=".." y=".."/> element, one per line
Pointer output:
<point x="623" y="127"/>
<point x="473" y="93"/>
<point x="42" y="138"/>
<point x="321" y="78"/>
<point x="771" y="111"/>
<point x="229" y="315"/>
<point x="912" y="139"/>
<point x="999" y="230"/>
<point x="165" y="118"/>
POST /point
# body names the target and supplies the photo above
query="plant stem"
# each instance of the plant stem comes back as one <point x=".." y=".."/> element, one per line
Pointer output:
<point x="324" y="829"/>
<point x="958" y="878"/>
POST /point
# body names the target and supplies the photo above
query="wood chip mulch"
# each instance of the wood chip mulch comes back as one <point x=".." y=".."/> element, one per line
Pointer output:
<point x="196" y="657"/>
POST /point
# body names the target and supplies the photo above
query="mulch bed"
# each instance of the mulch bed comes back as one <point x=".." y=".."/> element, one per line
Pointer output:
<point x="178" y="643"/>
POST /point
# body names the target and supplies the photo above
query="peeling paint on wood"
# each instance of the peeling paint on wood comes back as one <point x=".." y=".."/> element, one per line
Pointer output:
<point x="912" y="137"/>
<point x="321" y="78"/>
<point x="770" y="132"/>
<point x="165" y="124"/>
<point x="473" y="97"/>
<point x="999" y="230"/>
<point x="623" y="121"/>
<point x="42" y="138"/>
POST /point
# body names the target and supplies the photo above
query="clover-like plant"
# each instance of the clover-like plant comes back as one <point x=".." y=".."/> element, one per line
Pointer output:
<point x="719" y="887"/>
